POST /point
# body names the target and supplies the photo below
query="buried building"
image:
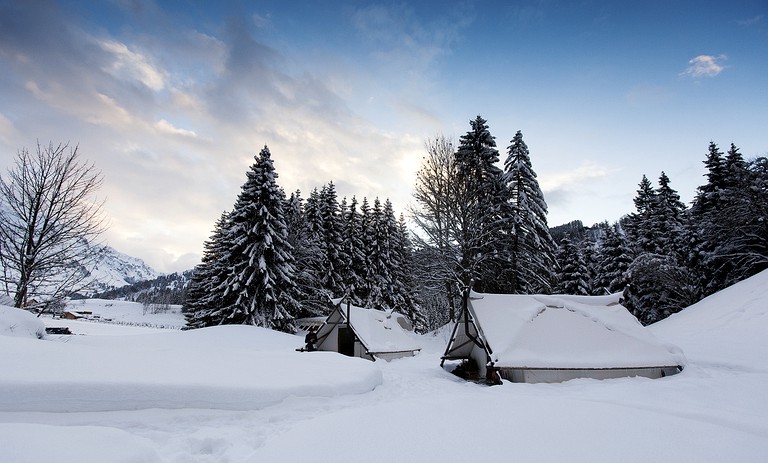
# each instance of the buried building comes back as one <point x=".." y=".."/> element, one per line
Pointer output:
<point x="367" y="333"/>
<point x="545" y="339"/>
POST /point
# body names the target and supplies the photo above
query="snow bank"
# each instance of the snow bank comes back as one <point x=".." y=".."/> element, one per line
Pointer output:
<point x="728" y="327"/>
<point x="20" y="323"/>
<point x="226" y="367"/>
<point x="21" y="443"/>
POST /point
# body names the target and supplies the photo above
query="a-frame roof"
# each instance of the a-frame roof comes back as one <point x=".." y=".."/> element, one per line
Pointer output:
<point x="560" y="332"/>
<point x="377" y="330"/>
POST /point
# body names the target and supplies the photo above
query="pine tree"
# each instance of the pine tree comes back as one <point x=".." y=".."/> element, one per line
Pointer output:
<point x="482" y="220"/>
<point x="334" y="257"/>
<point x="403" y="269"/>
<point x="307" y="263"/>
<point x="531" y="249"/>
<point x="667" y="220"/>
<point x="638" y="223"/>
<point x="573" y="271"/>
<point x="736" y="230"/>
<point x="262" y="271"/>
<point x="353" y="273"/>
<point x="379" y="278"/>
<point x="614" y="259"/>
<point x="205" y="293"/>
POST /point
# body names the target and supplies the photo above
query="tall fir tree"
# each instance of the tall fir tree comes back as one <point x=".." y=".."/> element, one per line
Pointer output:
<point x="334" y="257"/>
<point x="354" y="249"/>
<point x="736" y="230"/>
<point x="614" y="259"/>
<point x="482" y="220"/>
<point x="205" y="292"/>
<point x="261" y="258"/>
<point x="531" y="249"/>
<point x="668" y="221"/>
<point x="307" y="262"/>
<point x="573" y="274"/>
<point x="637" y="224"/>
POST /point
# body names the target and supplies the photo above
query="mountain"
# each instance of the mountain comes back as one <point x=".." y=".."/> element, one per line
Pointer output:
<point x="114" y="269"/>
<point x="163" y="290"/>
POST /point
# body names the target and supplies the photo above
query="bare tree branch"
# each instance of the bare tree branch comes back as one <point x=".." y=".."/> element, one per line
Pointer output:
<point x="49" y="223"/>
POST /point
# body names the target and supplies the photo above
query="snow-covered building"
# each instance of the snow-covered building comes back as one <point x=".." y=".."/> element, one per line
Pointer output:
<point x="538" y="338"/>
<point x="367" y="333"/>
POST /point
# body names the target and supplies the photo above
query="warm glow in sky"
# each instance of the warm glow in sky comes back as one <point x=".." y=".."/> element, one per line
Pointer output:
<point x="171" y="100"/>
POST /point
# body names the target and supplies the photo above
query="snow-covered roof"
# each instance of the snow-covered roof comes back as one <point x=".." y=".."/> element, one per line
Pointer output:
<point x="379" y="331"/>
<point x="538" y="331"/>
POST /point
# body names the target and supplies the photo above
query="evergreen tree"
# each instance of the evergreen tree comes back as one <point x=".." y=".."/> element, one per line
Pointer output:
<point x="573" y="271"/>
<point x="261" y="258"/>
<point x="307" y="262"/>
<point x="334" y="258"/>
<point x="205" y="293"/>
<point x="484" y="208"/>
<point x="354" y="270"/>
<point x="738" y="229"/>
<point x="379" y="278"/>
<point x="659" y="287"/>
<point x="667" y="220"/>
<point x="638" y="223"/>
<point x="614" y="259"/>
<point x="403" y="269"/>
<point x="531" y="250"/>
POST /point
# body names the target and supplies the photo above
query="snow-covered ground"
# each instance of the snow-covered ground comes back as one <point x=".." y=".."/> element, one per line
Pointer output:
<point x="242" y="394"/>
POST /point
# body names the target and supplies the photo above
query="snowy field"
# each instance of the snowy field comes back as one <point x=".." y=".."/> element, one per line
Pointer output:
<point x="242" y="394"/>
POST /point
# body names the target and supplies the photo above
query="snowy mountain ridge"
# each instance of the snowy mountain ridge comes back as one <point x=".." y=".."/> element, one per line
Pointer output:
<point x="113" y="269"/>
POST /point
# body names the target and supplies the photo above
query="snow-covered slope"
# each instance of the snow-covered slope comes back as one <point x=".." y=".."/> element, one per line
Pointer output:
<point x="729" y="327"/>
<point x="241" y="394"/>
<point x="20" y="323"/>
<point x="115" y="269"/>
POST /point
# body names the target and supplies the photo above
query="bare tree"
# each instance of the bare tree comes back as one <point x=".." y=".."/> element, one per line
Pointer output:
<point x="49" y="222"/>
<point x="444" y="217"/>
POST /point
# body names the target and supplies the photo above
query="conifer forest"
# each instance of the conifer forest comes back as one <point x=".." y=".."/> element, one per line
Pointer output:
<point x="479" y="220"/>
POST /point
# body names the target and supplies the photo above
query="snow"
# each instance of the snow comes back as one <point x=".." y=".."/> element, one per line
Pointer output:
<point x="404" y="410"/>
<point x="20" y="323"/>
<point x="567" y="332"/>
<point x="127" y="313"/>
<point x="379" y="330"/>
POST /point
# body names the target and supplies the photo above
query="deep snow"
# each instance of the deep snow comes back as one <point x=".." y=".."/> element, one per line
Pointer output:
<point x="352" y="410"/>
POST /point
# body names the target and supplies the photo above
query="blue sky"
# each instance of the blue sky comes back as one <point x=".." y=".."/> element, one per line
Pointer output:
<point x="171" y="100"/>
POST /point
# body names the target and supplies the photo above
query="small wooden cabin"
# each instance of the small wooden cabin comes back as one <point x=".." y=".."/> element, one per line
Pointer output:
<point x="366" y="333"/>
<point x="539" y="338"/>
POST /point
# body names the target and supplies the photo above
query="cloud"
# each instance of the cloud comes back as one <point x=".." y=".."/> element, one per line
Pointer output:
<point x="127" y="64"/>
<point x="174" y="141"/>
<point x="558" y="187"/>
<point x="166" y="127"/>
<point x="6" y="128"/>
<point x="750" y="21"/>
<point x="705" y="66"/>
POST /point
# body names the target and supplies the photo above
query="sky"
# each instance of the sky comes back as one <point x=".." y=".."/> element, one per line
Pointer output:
<point x="171" y="100"/>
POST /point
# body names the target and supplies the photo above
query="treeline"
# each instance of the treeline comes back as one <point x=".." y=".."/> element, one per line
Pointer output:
<point x="272" y="258"/>
<point x="666" y="256"/>
<point x="481" y="223"/>
<point x="164" y="290"/>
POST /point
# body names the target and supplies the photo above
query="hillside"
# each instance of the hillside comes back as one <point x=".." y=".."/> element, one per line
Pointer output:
<point x="243" y="394"/>
<point x="114" y="269"/>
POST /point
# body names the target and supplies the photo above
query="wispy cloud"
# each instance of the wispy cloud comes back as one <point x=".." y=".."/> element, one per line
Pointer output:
<point x="166" y="127"/>
<point x="129" y="64"/>
<point x="750" y="21"/>
<point x="705" y="66"/>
